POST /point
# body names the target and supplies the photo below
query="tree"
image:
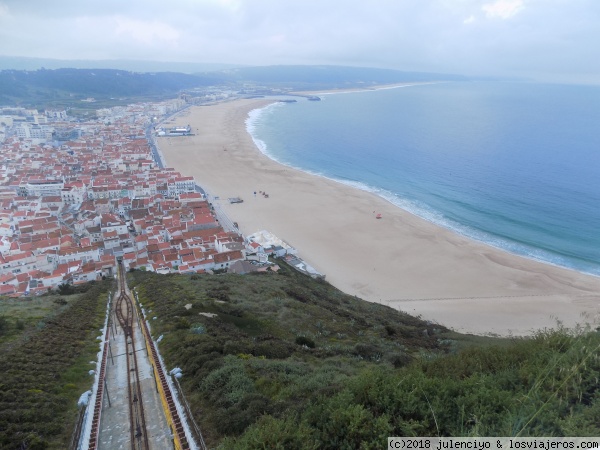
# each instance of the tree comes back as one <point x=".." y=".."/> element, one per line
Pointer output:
<point x="66" y="289"/>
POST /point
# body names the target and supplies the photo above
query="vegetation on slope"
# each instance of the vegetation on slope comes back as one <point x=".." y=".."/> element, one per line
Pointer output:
<point x="546" y="386"/>
<point x="44" y="363"/>
<point x="276" y="342"/>
<point x="62" y="87"/>
<point x="290" y="362"/>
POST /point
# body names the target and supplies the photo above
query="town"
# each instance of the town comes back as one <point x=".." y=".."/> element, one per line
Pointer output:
<point x="76" y="196"/>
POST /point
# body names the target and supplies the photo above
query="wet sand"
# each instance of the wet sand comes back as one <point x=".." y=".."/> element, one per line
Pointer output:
<point x="399" y="260"/>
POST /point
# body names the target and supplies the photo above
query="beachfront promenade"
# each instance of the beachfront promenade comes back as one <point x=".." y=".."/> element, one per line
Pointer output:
<point x="221" y="216"/>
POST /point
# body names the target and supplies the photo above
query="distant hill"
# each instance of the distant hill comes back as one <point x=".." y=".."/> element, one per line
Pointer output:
<point x="331" y="76"/>
<point x="23" y="63"/>
<point x="67" y="86"/>
<point x="50" y="86"/>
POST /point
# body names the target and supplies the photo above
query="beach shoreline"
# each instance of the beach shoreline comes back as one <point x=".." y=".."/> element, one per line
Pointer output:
<point x="377" y="87"/>
<point x="402" y="261"/>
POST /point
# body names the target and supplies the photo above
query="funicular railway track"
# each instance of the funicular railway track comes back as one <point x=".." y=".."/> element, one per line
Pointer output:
<point x="125" y="312"/>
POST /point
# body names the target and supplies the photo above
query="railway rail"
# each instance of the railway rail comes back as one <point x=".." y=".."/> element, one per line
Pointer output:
<point x="97" y="411"/>
<point x="125" y="312"/>
<point x="173" y="418"/>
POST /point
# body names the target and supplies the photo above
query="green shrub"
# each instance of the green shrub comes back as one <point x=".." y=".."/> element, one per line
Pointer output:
<point x="277" y="434"/>
<point x="273" y="349"/>
<point x="303" y="340"/>
<point x="66" y="289"/>
<point x="234" y="420"/>
<point x="368" y="351"/>
<point x="228" y="384"/>
<point x="237" y="347"/>
<point x="182" y="323"/>
<point x="398" y="359"/>
<point x="198" y="328"/>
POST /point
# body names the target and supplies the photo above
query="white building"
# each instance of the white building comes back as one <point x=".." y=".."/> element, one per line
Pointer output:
<point x="181" y="185"/>
<point x="269" y="241"/>
<point x="41" y="133"/>
<point x="74" y="193"/>
<point x="44" y="188"/>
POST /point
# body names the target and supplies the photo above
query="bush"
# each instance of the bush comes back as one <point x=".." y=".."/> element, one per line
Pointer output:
<point x="368" y="351"/>
<point x="227" y="385"/>
<point x="66" y="289"/>
<point x="273" y="349"/>
<point x="182" y="323"/>
<point x="234" y="420"/>
<point x="237" y="347"/>
<point x="399" y="359"/>
<point x="303" y="340"/>
<point x="277" y="434"/>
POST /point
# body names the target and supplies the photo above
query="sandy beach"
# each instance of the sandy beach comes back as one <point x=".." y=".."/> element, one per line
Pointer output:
<point x="400" y="260"/>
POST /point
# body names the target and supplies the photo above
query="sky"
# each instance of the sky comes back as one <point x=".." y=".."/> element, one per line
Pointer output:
<point x="550" y="40"/>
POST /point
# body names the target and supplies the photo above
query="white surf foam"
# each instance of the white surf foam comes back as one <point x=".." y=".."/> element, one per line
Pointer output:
<point x="419" y="209"/>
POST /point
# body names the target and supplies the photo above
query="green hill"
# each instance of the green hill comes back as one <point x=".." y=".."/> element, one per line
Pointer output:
<point x="44" y="88"/>
<point x="279" y="360"/>
<point x="285" y="361"/>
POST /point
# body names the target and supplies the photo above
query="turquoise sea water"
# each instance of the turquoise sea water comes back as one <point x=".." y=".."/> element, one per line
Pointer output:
<point x="515" y="165"/>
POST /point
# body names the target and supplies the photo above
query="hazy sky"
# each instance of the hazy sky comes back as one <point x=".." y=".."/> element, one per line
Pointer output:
<point x="544" y="39"/>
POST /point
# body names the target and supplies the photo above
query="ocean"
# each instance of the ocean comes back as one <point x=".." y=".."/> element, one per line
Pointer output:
<point x="514" y="165"/>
